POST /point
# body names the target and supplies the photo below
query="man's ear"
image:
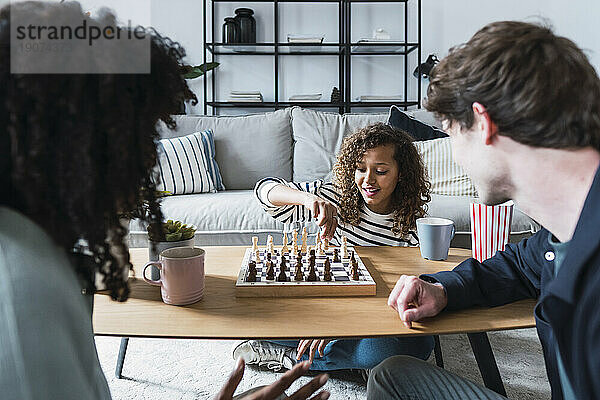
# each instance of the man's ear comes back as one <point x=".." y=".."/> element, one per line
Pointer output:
<point x="484" y="123"/>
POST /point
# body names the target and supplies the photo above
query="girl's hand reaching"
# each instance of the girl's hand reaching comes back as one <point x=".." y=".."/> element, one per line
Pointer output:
<point x="325" y="213"/>
<point x="312" y="345"/>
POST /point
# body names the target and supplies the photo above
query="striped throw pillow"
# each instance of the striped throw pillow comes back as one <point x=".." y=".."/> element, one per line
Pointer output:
<point x="183" y="165"/>
<point x="446" y="177"/>
<point x="208" y="142"/>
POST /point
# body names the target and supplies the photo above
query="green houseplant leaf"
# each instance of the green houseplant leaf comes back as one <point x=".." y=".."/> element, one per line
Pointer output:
<point x="193" y="72"/>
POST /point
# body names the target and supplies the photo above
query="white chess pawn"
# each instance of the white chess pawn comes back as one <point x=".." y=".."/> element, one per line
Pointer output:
<point x="344" y="247"/>
<point x="295" y="236"/>
<point x="320" y="250"/>
<point x="325" y="244"/>
<point x="294" y="251"/>
<point x="304" y="240"/>
<point x="257" y="256"/>
<point x="254" y="243"/>
<point x="318" y="240"/>
<point x="284" y="248"/>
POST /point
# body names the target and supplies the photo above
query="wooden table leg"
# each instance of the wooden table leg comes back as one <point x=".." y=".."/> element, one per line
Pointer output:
<point x="121" y="358"/>
<point x="486" y="362"/>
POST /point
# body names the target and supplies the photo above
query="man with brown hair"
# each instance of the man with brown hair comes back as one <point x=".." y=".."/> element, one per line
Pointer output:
<point x="522" y="108"/>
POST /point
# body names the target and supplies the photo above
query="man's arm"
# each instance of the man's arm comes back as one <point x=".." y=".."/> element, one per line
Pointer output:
<point x="511" y="275"/>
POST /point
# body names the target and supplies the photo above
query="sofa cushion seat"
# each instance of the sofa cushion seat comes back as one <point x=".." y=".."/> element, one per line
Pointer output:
<point x="232" y="217"/>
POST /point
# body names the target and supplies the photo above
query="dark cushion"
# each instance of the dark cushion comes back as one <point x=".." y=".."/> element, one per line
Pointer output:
<point x="415" y="128"/>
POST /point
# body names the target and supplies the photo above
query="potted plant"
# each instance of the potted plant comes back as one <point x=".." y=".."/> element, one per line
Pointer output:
<point x="174" y="234"/>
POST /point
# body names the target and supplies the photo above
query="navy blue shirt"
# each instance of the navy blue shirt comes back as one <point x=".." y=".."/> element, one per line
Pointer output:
<point x="567" y="313"/>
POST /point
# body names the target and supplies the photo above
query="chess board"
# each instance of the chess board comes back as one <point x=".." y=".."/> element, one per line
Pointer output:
<point x="341" y="283"/>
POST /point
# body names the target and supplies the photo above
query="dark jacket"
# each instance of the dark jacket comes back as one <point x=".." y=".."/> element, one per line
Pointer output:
<point x="568" y="310"/>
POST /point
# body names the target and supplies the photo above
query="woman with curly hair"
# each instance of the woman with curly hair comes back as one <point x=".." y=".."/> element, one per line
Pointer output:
<point x="379" y="191"/>
<point x="77" y="151"/>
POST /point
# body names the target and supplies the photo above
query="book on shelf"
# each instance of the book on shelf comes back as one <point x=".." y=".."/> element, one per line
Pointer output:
<point x="387" y="45"/>
<point x="306" y="97"/>
<point x="379" y="98"/>
<point x="305" y="38"/>
<point x="245" y="96"/>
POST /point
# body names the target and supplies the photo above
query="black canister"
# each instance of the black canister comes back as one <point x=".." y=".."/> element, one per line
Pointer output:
<point x="231" y="31"/>
<point x="247" y="25"/>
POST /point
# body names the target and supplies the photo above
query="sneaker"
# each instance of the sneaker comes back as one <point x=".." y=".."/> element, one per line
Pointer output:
<point x="265" y="354"/>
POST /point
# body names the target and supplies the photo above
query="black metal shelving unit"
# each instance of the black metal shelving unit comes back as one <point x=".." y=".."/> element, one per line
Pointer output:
<point x="345" y="49"/>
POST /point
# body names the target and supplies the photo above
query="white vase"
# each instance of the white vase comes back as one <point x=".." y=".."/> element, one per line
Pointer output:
<point x="161" y="246"/>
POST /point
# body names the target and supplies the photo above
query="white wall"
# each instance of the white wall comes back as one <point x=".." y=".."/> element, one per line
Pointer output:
<point x="445" y="23"/>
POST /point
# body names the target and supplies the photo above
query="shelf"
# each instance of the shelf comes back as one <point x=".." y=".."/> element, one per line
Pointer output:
<point x="314" y="104"/>
<point x="268" y="49"/>
<point x="399" y="48"/>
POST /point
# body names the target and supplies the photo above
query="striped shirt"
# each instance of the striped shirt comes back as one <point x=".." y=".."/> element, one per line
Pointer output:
<point x="373" y="230"/>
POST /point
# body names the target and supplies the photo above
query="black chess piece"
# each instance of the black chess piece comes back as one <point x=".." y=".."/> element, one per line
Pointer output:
<point x="251" y="272"/>
<point x="336" y="96"/>
<point x="299" y="259"/>
<point x="299" y="276"/>
<point x="327" y="270"/>
<point x="355" y="275"/>
<point x="336" y="256"/>
<point x="270" y="270"/>
<point x="282" y="277"/>
<point x="312" y="273"/>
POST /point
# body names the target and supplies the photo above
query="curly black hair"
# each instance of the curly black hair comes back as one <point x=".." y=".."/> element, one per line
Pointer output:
<point x="78" y="150"/>
<point x="412" y="192"/>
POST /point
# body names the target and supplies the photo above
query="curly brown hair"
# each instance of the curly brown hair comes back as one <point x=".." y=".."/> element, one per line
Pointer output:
<point x="77" y="150"/>
<point x="411" y="195"/>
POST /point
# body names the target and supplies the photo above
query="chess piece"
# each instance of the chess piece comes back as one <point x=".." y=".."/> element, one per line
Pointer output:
<point x="299" y="259"/>
<point x="251" y="272"/>
<point x="325" y="244"/>
<point x="304" y="240"/>
<point x="270" y="270"/>
<point x="312" y="274"/>
<point x="295" y="237"/>
<point x="352" y="259"/>
<point x="284" y="248"/>
<point x="336" y="256"/>
<point x="344" y="247"/>
<point x="327" y="270"/>
<point x="320" y="250"/>
<point x="282" y="277"/>
<point x="318" y="239"/>
<point x="355" y="276"/>
<point x="257" y="256"/>
<point x="254" y="243"/>
<point x="299" y="276"/>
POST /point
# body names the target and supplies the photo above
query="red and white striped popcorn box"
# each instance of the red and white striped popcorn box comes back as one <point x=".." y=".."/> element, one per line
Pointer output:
<point x="490" y="228"/>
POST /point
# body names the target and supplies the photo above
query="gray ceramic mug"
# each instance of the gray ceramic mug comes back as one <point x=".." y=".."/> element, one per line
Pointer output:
<point x="435" y="235"/>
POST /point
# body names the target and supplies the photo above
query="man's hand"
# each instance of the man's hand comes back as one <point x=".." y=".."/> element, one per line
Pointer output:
<point x="313" y="344"/>
<point x="325" y="213"/>
<point x="277" y="388"/>
<point x="415" y="299"/>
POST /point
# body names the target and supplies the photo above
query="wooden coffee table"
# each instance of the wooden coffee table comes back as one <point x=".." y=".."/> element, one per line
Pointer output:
<point x="221" y="315"/>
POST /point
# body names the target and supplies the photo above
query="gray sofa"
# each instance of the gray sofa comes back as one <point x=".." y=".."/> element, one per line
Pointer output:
<point x="294" y="144"/>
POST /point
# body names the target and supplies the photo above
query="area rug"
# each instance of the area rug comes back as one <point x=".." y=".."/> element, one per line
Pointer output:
<point x="195" y="369"/>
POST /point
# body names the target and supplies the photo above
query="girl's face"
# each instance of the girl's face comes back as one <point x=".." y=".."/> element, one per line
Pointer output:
<point x="376" y="176"/>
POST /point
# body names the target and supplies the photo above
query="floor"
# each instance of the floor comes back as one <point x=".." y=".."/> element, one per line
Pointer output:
<point x="196" y="369"/>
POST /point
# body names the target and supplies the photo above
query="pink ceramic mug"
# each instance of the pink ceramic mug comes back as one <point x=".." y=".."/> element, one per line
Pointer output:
<point x="181" y="275"/>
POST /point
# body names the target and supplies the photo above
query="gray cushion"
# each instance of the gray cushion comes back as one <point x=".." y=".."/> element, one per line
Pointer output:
<point x="247" y="148"/>
<point x="318" y="136"/>
<point x="232" y="217"/>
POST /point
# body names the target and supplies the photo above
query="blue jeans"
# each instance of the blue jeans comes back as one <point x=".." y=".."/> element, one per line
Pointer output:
<point x="364" y="353"/>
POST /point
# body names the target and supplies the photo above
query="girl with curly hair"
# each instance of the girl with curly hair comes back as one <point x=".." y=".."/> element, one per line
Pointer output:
<point x="379" y="191"/>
